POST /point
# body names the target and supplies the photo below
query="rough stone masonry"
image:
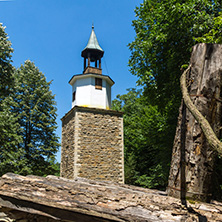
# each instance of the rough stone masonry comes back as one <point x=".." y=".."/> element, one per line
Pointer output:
<point x="92" y="144"/>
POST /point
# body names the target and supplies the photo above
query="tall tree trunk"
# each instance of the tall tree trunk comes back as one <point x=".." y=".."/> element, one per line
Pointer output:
<point x="193" y="158"/>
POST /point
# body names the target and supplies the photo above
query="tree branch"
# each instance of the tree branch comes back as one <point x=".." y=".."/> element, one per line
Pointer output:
<point x="212" y="139"/>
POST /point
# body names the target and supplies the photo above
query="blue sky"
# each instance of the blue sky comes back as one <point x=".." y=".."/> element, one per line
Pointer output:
<point x="52" y="33"/>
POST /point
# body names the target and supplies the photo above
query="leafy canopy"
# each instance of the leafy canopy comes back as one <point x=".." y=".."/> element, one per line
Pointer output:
<point x="215" y="34"/>
<point x="28" y="142"/>
<point x="145" y="154"/>
<point x="9" y="126"/>
<point x="6" y="68"/>
<point x="165" y="33"/>
<point x="36" y="113"/>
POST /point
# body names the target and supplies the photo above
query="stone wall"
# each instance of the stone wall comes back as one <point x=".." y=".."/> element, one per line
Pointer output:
<point x="93" y="141"/>
<point x="68" y="144"/>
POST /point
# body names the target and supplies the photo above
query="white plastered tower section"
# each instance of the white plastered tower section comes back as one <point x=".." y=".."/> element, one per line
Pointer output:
<point x="92" y="89"/>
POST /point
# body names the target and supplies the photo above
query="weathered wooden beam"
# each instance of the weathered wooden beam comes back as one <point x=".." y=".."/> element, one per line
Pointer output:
<point x="55" y="198"/>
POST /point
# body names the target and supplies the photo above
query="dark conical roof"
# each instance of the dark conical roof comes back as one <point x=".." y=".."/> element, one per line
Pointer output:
<point x="92" y="46"/>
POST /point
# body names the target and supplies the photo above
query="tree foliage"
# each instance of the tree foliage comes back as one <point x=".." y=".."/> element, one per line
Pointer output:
<point x="36" y="113"/>
<point x="165" y="33"/>
<point x="27" y="117"/>
<point x="9" y="138"/>
<point x="9" y="126"/>
<point x="146" y="158"/>
<point x="6" y="68"/>
<point x="215" y="33"/>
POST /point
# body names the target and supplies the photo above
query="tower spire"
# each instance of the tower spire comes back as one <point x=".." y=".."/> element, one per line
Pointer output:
<point x="93" y="52"/>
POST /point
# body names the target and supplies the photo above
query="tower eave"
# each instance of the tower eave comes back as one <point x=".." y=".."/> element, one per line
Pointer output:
<point x="83" y="76"/>
<point x="93" y="51"/>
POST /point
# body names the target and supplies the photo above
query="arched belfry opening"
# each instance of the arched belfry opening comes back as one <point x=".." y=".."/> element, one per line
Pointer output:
<point x="92" y="53"/>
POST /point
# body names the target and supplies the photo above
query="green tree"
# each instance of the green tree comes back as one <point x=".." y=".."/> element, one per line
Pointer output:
<point x="165" y="33"/>
<point x="146" y="160"/>
<point x="9" y="126"/>
<point x="9" y="139"/>
<point x="36" y="113"/>
<point x="215" y="34"/>
<point x="6" y="68"/>
<point x="27" y="117"/>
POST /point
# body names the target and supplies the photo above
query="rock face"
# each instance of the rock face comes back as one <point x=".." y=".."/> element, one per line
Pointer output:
<point x="92" y="144"/>
<point x="39" y="199"/>
<point x="192" y="163"/>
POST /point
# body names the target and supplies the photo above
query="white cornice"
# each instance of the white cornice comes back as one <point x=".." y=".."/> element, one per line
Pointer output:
<point x="89" y="75"/>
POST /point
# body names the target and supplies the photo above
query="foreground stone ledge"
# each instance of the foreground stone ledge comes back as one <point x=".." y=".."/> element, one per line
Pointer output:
<point x="34" y="198"/>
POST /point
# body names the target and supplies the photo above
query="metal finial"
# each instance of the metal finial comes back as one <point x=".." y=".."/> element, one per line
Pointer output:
<point x="92" y="25"/>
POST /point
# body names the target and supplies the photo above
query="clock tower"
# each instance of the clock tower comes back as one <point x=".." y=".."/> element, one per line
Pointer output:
<point x="92" y="133"/>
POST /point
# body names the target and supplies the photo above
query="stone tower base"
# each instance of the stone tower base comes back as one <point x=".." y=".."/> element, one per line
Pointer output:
<point x="92" y="144"/>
